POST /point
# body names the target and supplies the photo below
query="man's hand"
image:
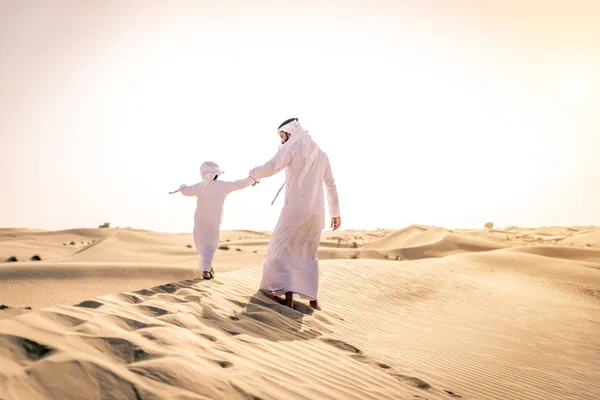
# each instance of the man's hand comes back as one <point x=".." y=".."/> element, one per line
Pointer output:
<point x="336" y="222"/>
<point x="255" y="181"/>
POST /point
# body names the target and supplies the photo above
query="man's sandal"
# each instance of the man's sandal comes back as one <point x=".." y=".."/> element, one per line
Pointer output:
<point x="208" y="274"/>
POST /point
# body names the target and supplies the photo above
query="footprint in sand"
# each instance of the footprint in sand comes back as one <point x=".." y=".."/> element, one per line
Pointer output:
<point x="209" y="337"/>
<point x="342" y="345"/>
<point x="411" y="380"/>
<point x="132" y="323"/>
<point x="192" y="298"/>
<point x="224" y="364"/>
<point x="121" y="349"/>
<point x="144" y="292"/>
<point x="34" y="351"/>
<point x="359" y="356"/>
<point x="168" y="288"/>
<point x="452" y="394"/>
<point x="90" y="304"/>
<point x="152" y="311"/>
<point x="130" y="298"/>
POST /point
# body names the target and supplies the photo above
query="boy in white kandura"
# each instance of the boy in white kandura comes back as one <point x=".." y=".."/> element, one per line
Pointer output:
<point x="210" y="194"/>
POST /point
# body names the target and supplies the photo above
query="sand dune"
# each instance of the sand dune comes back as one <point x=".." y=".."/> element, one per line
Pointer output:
<point x="416" y="328"/>
<point x="567" y="253"/>
<point x="587" y="238"/>
<point x="38" y="285"/>
<point x="418" y="242"/>
<point x="476" y="314"/>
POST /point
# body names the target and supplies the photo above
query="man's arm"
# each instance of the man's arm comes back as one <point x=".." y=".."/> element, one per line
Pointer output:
<point x="332" y="197"/>
<point x="269" y="168"/>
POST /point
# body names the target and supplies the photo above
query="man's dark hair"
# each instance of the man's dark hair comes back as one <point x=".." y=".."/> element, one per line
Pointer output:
<point x="287" y="121"/>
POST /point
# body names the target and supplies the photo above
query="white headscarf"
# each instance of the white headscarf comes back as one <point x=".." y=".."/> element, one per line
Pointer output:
<point x="309" y="147"/>
<point x="209" y="170"/>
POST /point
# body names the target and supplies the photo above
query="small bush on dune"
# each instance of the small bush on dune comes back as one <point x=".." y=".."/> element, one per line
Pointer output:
<point x="104" y="225"/>
<point x="12" y="259"/>
<point x="354" y="256"/>
<point x="189" y="246"/>
<point x="36" y="258"/>
<point x="72" y="244"/>
<point x="223" y="247"/>
<point x="238" y="249"/>
<point x="489" y="226"/>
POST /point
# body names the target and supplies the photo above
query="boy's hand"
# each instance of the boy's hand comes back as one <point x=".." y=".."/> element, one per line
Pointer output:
<point x="255" y="181"/>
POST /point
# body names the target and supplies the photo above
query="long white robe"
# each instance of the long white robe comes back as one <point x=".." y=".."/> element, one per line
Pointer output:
<point x="291" y="264"/>
<point x="209" y="214"/>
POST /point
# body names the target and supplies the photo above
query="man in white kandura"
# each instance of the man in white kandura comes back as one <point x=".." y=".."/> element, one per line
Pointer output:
<point x="291" y="266"/>
<point x="210" y="194"/>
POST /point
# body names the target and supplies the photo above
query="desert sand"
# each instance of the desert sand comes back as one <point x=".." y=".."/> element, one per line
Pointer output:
<point x="418" y="313"/>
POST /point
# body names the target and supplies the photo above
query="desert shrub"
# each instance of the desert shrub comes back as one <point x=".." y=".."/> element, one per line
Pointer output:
<point x="354" y="245"/>
<point x="238" y="249"/>
<point x="36" y="258"/>
<point x="105" y="225"/>
<point x="12" y="259"/>
<point x="354" y="256"/>
<point x="189" y="246"/>
<point x="489" y="226"/>
<point x="223" y="247"/>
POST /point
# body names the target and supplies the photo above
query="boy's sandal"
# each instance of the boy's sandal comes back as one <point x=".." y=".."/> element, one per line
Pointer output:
<point x="208" y="274"/>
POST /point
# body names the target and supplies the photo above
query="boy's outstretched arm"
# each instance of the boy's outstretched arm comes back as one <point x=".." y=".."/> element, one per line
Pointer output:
<point x="193" y="190"/>
<point x="240" y="184"/>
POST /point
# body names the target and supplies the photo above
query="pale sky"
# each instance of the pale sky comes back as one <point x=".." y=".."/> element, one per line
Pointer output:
<point x="446" y="113"/>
